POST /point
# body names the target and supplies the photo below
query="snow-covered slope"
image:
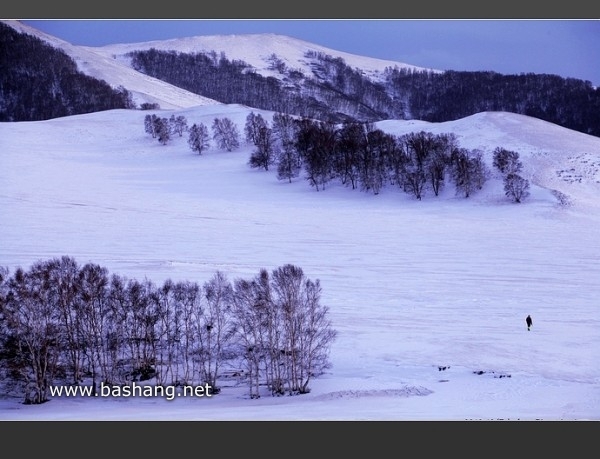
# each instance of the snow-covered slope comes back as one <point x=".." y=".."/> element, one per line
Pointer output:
<point x="412" y="286"/>
<point x="257" y="51"/>
<point x="558" y="159"/>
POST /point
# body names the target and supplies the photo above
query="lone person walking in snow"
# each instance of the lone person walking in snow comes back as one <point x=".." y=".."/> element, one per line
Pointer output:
<point x="529" y="322"/>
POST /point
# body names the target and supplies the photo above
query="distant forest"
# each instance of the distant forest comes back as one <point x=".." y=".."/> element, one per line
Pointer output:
<point x="336" y="92"/>
<point x="40" y="82"/>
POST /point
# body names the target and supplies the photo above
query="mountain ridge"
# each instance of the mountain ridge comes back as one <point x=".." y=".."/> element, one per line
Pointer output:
<point x="291" y="50"/>
<point x="281" y="58"/>
<point x="314" y="80"/>
<point x="109" y="63"/>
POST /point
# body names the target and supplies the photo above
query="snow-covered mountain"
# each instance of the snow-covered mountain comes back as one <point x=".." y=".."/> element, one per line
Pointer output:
<point x="110" y="63"/>
<point x="258" y="51"/>
<point x="280" y="73"/>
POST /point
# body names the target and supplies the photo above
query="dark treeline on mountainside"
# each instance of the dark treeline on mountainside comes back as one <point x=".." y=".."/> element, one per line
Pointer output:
<point x="40" y="82"/>
<point x="219" y="79"/>
<point x="335" y="92"/>
<point x="437" y="97"/>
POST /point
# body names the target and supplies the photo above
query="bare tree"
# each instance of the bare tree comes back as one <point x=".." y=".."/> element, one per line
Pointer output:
<point x="34" y="324"/>
<point x="288" y="160"/>
<point x="264" y="154"/>
<point x="271" y="334"/>
<point x="439" y="158"/>
<point x="178" y="124"/>
<point x="414" y="179"/>
<point x="509" y="165"/>
<point x="248" y="321"/>
<point x="216" y="328"/>
<point x="117" y="329"/>
<point x="64" y="290"/>
<point x="351" y="140"/>
<point x="481" y="172"/>
<point x="162" y="130"/>
<point x="259" y="134"/>
<point x="469" y="171"/>
<point x="150" y="125"/>
<point x="507" y="161"/>
<point x="284" y="128"/>
<point x="254" y="123"/>
<point x="317" y="336"/>
<point x="226" y="134"/>
<point x="189" y="310"/>
<point x="516" y="187"/>
<point x="168" y="333"/>
<point x="316" y="144"/>
<point x="287" y="295"/>
<point x="7" y="349"/>
<point x="374" y="160"/>
<point x="398" y="160"/>
<point x="93" y="282"/>
<point x="138" y="318"/>
<point x="420" y="146"/>
<point x="198" y="139"/>
<point x="307" y="330"/>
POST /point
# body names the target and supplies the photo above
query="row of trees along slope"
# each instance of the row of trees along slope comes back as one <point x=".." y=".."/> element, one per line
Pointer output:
<point x="357" y="155"/>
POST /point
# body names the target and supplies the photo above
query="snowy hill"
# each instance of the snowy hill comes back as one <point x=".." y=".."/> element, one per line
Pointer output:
<point x="110" y="64"/>
<point x="429" y="297"/>
<point x="554" y="158"/>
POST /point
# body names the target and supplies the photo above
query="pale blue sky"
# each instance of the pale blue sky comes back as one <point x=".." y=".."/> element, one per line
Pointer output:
<point x="569" y="48"/>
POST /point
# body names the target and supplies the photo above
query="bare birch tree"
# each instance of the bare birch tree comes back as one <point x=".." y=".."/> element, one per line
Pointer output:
<point x="216" y="327"/>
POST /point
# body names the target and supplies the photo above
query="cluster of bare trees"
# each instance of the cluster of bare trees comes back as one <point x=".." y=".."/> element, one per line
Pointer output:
<point x="62" y="323"/>
<point x="363" y="157"/>
<point x="224" y="132"/>
<point x="162" y="128"/>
